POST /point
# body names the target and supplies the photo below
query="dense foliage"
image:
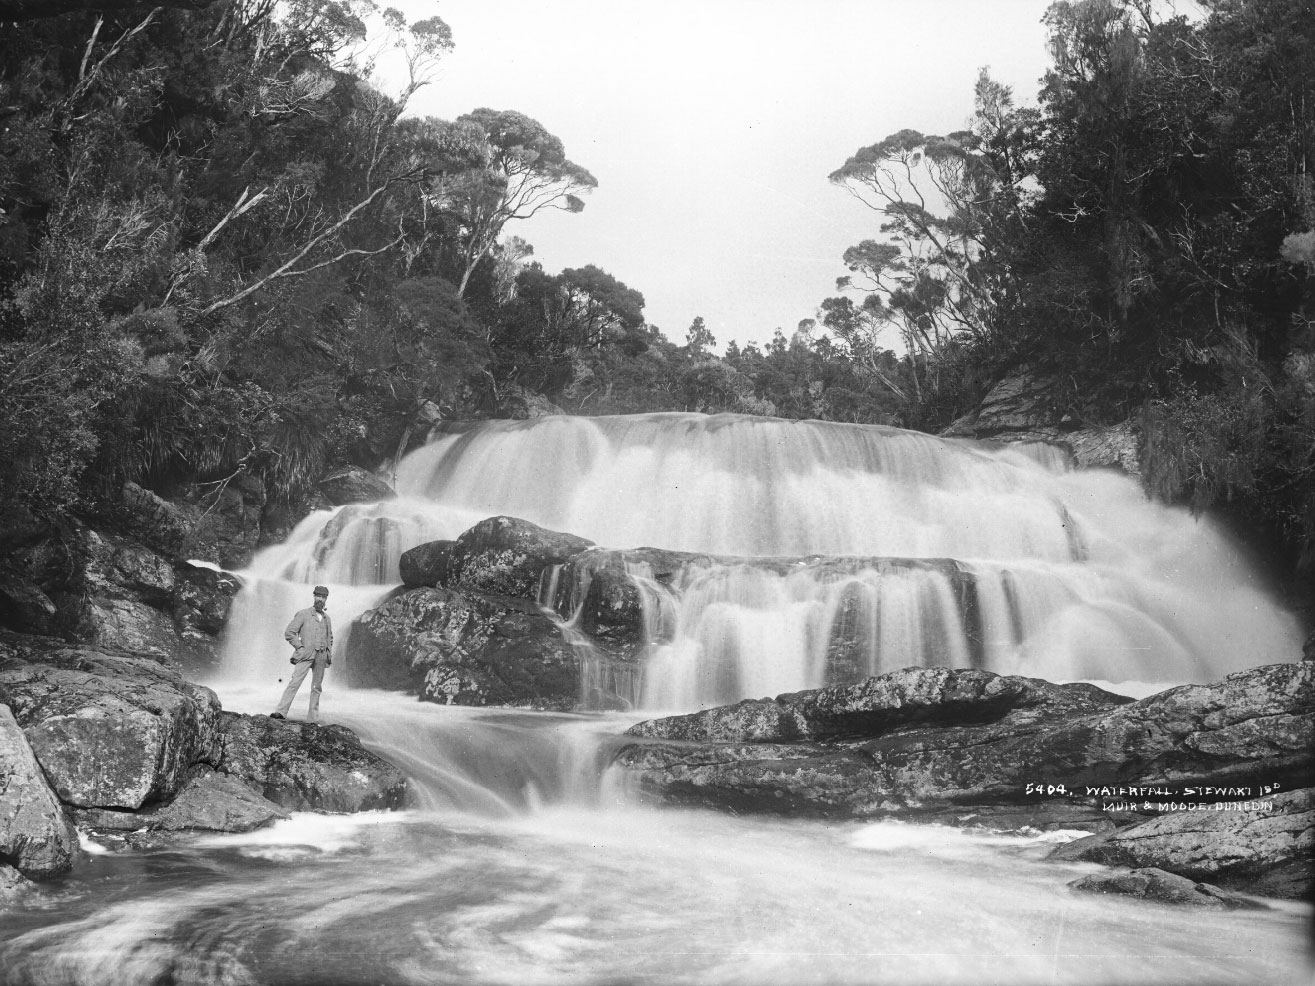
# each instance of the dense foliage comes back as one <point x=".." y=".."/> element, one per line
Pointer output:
<point x="225" y="249"/>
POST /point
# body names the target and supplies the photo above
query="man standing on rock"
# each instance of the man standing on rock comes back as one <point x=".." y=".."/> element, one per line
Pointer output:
<point x="311" y="635"/>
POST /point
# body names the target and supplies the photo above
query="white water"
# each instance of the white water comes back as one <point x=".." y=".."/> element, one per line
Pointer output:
<point x="523" y="860"/>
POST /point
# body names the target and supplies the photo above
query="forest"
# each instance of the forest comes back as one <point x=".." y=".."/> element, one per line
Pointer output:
<point x="226" y="249"/>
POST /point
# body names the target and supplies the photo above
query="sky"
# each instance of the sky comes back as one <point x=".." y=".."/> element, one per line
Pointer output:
<point x="711" y="126"/>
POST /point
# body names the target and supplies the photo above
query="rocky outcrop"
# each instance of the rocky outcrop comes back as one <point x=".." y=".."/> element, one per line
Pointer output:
<point x="225" y="521"/>
<point x="36" y="838"/>
<point x="520" y="403"/>
<point x="1265" y="844"/>
<point x="304" y="766"/>
<point x="1024" y="407"/>
<point x="464" y="649"/>
<point x="502" y="556"/>
<point x="109" y="730"/>
<point x="352" y="484"/>
<point x="936" y="743"/>
<point x="1155" y="884"/>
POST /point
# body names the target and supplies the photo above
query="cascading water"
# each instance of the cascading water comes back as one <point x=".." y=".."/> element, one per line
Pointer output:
<point x="1039" y="569"/>
<point x="844" y="551"/>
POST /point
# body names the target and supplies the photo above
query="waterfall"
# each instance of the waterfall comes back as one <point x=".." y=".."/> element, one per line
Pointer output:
<point x="828" y="552"/>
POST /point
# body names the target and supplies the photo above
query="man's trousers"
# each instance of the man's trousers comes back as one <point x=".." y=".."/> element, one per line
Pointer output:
<point x="315" y="666"/>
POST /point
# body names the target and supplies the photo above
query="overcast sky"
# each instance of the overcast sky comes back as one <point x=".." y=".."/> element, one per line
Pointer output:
<point x="711" y="126"/>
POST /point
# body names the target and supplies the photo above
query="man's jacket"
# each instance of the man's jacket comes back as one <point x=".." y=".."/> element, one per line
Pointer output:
<point x="308" y="634"/>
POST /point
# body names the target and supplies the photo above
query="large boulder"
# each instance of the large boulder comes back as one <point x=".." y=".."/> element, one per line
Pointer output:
<point x="200" y="602"/>
<point x="1265" y="844"/>
<point x="502" y="556"/>
<point x="109" y="730"/>
<point x="520" y="403"/>
<point x="921" y="741"/>
<point x="352" y="484"/>
<point x="464" y="649"/>
<point x="304" y="766"/>
<point x="36" y="838"/>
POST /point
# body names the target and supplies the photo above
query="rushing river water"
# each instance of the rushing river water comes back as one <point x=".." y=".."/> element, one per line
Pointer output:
<point x="523" y="859"/>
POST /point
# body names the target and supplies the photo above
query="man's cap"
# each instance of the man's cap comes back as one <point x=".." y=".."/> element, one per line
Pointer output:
<point x="320" y="591"/>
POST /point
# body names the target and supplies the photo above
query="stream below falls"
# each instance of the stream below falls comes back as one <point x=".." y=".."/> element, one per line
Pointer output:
<point x="524" y="861"/>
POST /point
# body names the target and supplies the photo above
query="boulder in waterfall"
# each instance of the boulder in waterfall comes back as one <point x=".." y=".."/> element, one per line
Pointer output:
<point x="352" y="484"/>
<point x="609" y="588"/>
<point x="502" y="556"/>
<point x="200" y="603"/>
<point x="922" y="742"/>
<point x="1265" y="845"/>
<point x="1158" y="885"/>
<point x="304" y="766"/>
<point x="109" y="730"/>
<point x="35" y="836"/>
<point x="464" y="649"/>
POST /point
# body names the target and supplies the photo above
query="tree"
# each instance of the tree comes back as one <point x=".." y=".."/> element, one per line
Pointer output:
<point x="699" y="340"/>
<point x="525" y="171"/>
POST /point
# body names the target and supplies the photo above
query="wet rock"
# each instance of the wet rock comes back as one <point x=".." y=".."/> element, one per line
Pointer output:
<point x="1154" y="884"/>
<point x="352" y="484"/>
<point x="35" y="836"/>
<point x="464" y="649"/>
<point x="303" y="766"/>
<point x="921" y="741"/>
<point x="498" y="556"/>
<point x="209" y="801"/>
<point x="1265" y="845"/>
<point x="200" y="603"/>
<point x="14" y="887"/>
<point x="108" y="730"/>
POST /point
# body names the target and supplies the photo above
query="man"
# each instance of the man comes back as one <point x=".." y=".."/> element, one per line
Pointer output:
<point x="311" y="635"/>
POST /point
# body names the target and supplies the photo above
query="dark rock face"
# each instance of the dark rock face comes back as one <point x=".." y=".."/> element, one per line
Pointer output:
<point x="307" y="767"/>
<point x="520" y="403"/>
<point x="109" y="731"/>
<point x="1155" y="884"/>
<point x="464" y="649"/>
<point x="354" y="485"/>
<point x="501" y="556"/>
<point x="1266" y="846"/>
<point x="24" y="607"/>
<point x="225" y="523"/>
<point x="36" y="838"/>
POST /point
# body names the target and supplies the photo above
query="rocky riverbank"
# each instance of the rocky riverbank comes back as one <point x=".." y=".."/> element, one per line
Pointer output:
<point x="122" y="744"/>
<point x="1212" y="783"/>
